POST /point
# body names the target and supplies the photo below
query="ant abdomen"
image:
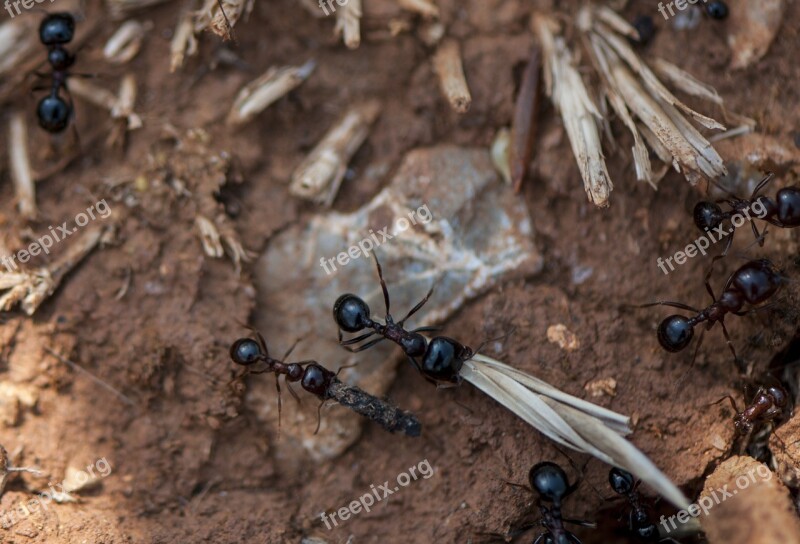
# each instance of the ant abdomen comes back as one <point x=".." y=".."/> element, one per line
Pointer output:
<point x="246" y="351"/>
<point x="351" y="313"/>
<point x="53" y="113"/>
<point x="788" y="206"/>
<point x="444" y="358"/>
<point x="675" y="333"/>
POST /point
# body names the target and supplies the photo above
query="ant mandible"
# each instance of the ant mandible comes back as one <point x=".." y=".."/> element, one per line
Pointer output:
<point x="754" y="283"/>
<point x="783" y="212"/>
<point x="442" y="357"/>
<point x="56" y="30"/>
<point x="323" y="383"/>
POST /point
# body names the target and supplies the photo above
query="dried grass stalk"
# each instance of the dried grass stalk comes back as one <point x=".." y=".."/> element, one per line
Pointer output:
<point x="426" y="8"/>
<point x="30" y="289"/>
<point x="260" y="93"/>
<point x="568" y="421"/>
<point x="448" y="66"/>
<point x="21" y="172"/>
<point x="119" y="107"/>
<point x="220" y="16"/>
<point x="348" y="23"/>
<point x="581" y="117"/>
<point x="184" y="43"/>
<point x="320" y="174"/>
<point x="18" y="39"/>
<point x="125" y="43"/>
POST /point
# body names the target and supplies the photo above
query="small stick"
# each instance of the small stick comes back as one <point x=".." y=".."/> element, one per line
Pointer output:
<point x="125" y="43"/>
<point x="378" y="410"/>
<point x="426" y="8"/>
<point x="21" y="166"/>
<point x="260" y="93"/>
<point x="320" y="175"/>
<point x="447" y="65"/>
<point x="183" y="43"/>
<point x="348" y="23"/>
<point x="523" y="127"/>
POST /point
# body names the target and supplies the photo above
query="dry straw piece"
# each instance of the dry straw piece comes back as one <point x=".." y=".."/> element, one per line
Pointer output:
<point x="260" y="93"/>
<point x="220" y="16"/>
<point x="568" y="421"/>
<point x="184" y="43"/>
<point x="21" y="173"/>
<point x="125" y="43"/>
<point x="655" y="117"/>
<point x="348" y="23"/>
<point x="320" y="175"/>
<point x="448" y="66"/>
<point x="426" y="8"/>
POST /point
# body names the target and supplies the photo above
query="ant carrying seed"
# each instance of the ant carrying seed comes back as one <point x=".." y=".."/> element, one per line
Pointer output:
<point x="442" y="357"/>
<point x="323" y="383"/>
<point x="754" y="283"/>
<point x="640" y="522"/>
<point x="56" y="30"/>
<point x="783" y="212"/>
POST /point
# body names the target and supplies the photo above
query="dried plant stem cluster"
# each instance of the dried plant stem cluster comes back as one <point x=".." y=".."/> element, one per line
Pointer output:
<point x="656" y="118"/>
<point x="321" y="173"/>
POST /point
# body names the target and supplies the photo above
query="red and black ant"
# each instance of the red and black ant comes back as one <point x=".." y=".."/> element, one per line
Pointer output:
<point x="783" y="212"/>
<point x="770" y="404"/>
<point x="441" y="358"/>
<point x="753" y="283"/>
<point x="56" y="30"/>
<point x="323" y="383"/>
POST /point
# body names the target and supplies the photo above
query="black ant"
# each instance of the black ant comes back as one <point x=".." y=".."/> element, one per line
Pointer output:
<point x="717" y="10"/>
<point x="783" y="212"/>
<point x="550" y="482"/>
<point x="754" y="282"/>
<point x="56" y="30"/>
<point x="323" y="383"/>
<point x="442" y="357"/>
<point x="640" y="523"/>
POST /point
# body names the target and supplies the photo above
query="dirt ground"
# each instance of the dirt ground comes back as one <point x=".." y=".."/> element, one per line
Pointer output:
<point x="151" y="316"/>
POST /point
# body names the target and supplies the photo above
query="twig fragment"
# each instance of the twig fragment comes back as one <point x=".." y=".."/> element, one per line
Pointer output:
<point x="426" y="8"/>
<point x="348" y="23"/>
<point x="448" y="66"/>
<point x="184" y="43"/>
<point x="21" y="172"/>
<point x="260" y="93"/>
<point x="125" y="43"/>
<point x="220" y="16"/>
<point x="523" y="126"/>
<point x="320" y="174"/>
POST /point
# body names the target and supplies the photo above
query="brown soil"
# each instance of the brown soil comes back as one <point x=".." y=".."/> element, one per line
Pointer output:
<point x="152" y="316"/>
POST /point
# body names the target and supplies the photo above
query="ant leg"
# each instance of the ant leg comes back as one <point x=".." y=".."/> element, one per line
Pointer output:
<point x="761" y="184"/>
<point x="708" y="275"/>
<point x="278" y="387"/>
<point x="672" y="304"/>
<point x="319" y="416"/>
<point x="383" y="286"/>
<point x="345" y="366"/>
<point x="355" y="340"/>
<point x="414" y="310"/>
<point x="581" y="522"/>
<point x="261" y="342"/>
<point x="502" y="337"/>
<point x="290" y="350"/>
<point x="291" y="390"/>
<point x="691" y="365"/>
<point x="415" y="364"/>
<point x="729" y="398"/>
<point x="728" y="340"/>
<point x="427" y="329"/>
<point x="365" y="346"/>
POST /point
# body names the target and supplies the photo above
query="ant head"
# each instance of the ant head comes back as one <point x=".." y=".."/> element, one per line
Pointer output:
<point x="351" y="313"/>
<point x="316" y="379"/>
<point x="57" y="29"/>
<point x="444" y="358"/>
<point x="550" y="481"/>
<point x="675" y="333"/>
<point x="246" y="351"/>
<point x="717" y="10"/>
<point x="621" y="481"/>
<point x="707" y="215"/>
<point x="53" y="113"/>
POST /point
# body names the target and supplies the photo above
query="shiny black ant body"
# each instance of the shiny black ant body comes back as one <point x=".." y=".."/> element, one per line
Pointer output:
<point x="639" y="521"/>
<point x="441" y="358"/>
<point x="782" y="212"/>
<point x="753" y="283"/>
<point x="550" y="482"/>
<point x="323" y="383"/>
<point x="717" y="10"/>
<point x="55" y="31"/>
